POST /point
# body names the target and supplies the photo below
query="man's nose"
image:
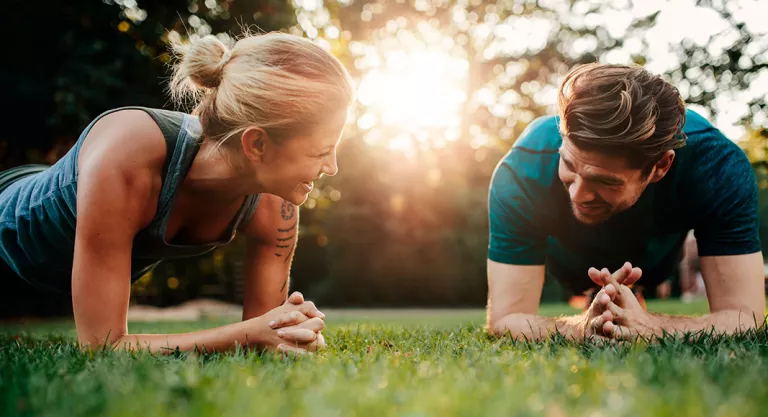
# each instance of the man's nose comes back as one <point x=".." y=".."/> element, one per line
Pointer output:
<point x="579" y="192"/>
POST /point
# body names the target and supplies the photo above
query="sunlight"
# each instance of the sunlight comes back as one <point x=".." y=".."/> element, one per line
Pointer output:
<point x="416" y="90"/>
<point x="413" y="92"/>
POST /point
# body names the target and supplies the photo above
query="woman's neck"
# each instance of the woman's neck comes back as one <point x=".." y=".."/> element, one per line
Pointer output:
<point x="217" y="176"/>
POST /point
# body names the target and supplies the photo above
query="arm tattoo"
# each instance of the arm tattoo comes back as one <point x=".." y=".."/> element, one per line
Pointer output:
<point x="287" y="210"/>
<point x="289" y="255"/>
<point x="287" y="233"/>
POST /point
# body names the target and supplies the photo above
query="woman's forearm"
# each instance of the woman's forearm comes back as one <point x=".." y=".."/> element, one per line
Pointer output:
<point x="217" y="339"/>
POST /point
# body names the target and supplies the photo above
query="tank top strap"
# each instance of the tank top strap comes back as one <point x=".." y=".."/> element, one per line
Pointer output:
<point x="170" y="123"/>
<point x="246" y="213"/>
<point x="183" y="145"/>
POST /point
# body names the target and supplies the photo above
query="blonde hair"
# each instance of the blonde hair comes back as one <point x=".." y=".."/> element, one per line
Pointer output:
<point x="282" y="83"/>
<point x="621" y="109"/>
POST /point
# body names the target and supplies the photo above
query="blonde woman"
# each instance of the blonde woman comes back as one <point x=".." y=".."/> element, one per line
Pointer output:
<point x="142" y="185"/>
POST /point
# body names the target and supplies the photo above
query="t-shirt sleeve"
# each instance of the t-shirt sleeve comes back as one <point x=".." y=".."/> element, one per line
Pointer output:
<point x="725" y="192"/>
<point x="517" y="236"/>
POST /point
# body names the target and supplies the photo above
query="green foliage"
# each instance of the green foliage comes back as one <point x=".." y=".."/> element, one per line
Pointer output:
<point x="705" y="75"/>
<point x="754" y="145"/>
<point x="70" y="61"/>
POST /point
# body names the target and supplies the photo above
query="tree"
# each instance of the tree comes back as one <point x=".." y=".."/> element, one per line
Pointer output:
<point x="74" y="60"/>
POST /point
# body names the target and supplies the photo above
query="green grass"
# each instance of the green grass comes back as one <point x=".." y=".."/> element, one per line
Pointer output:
<point x="413" y="363"/>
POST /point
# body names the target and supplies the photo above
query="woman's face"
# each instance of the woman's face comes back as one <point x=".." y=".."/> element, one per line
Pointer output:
<point x="289" y="169"/>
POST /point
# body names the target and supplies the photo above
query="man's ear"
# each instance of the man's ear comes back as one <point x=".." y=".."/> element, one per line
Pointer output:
<point x="662" y="166"/>
<point x="254" y="142"/>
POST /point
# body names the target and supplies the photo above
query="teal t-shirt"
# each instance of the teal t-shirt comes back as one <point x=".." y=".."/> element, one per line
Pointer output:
<point x="710" y="188"/>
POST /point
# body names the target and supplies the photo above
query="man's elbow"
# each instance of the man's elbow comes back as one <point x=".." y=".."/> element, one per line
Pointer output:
<point x="741" y="319"/>
<point x="751" y="314"/>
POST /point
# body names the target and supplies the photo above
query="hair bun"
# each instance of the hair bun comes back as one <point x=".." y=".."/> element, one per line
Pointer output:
<point x="204" y="61"/>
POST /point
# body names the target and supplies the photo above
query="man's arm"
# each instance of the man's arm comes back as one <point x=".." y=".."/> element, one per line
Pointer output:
<point x="736" y="295"/>
<point x="736" y="292"/>
<point x="272" y="235"/>
<point x="514" y="293"/>
<point x="521" y="212"/>
<point x="722" y="191"/>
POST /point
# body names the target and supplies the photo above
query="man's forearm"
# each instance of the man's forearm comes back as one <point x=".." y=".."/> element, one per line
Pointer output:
<point x="533" y="327"/>
<point x="726" y="321"/>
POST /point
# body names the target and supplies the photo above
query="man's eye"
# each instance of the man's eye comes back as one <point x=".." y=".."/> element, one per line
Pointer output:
<point x="324" y="154"/>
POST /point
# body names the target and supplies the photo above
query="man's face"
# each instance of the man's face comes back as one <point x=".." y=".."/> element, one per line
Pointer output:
<point x="599" y="185"/>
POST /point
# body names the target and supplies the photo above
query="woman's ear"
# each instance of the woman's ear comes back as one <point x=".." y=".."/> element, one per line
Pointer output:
<point x="254" y="142"/>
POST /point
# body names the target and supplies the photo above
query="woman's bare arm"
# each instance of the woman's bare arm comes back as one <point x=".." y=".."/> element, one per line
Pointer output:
<point x="119" y="178"/>
<point x="272" y="234"/>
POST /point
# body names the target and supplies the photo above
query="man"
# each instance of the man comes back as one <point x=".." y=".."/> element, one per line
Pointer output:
<point x="618" y="179"/>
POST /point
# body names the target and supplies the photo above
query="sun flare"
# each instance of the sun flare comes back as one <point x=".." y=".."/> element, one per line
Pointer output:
<point x="413" y="93"/>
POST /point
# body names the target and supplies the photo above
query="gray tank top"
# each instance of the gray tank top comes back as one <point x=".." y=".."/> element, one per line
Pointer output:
<point x="38" y="213"/>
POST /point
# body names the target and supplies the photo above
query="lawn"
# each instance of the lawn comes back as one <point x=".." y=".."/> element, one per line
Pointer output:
<point x="381" y="363"/>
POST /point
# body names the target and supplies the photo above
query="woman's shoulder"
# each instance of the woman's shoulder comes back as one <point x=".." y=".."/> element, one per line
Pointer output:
<point x="128" y="135"/>
<point x="123" y="156"/>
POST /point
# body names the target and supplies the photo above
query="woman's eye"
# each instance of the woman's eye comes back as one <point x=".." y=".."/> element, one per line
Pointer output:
<point x="323" y="155"/>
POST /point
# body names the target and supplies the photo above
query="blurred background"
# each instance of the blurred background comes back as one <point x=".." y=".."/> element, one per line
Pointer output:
<point x="445" y="87"/>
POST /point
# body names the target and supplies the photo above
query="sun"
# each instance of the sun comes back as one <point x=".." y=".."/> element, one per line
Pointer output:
<point x="412" y="91"/>
<point x="416" y="90"/>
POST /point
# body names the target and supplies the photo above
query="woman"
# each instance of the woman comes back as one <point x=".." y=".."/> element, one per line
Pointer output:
<point x="142" y="185"/>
